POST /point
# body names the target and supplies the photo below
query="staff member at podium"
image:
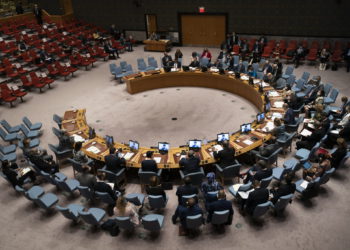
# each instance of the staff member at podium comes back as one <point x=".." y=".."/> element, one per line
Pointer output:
<point x="226" y="156"/>
<point x="148" y="164"/>
<point x="153" y="36"/>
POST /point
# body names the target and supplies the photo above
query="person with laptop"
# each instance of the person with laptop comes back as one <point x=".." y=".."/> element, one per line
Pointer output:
<point x="226" y="156"/>
<point x="190" y="164"/>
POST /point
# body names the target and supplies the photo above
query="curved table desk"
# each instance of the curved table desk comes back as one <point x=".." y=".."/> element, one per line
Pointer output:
<point x="96" y="148"/>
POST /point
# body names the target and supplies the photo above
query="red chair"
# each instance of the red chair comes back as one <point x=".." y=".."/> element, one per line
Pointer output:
<point x="26" y="58"/>
<point x="326" y="45"/>
<point x="7" y="97"/>
<point x="337" y="56"/>
<point x="63" y="71"/>
<point x="10" y="72"/>
<point x="36" y="82"/>
<point x="92" y="52"/>
<point x="235" y="49"/>
<point x="18" y="93"/>
<point x="20" y="69"/>
<point x="271" y="44"/>
<point x="312" y="56"/>
<point x="315" y="45"/>
<point x="267" y="52"/>
<point x="102" y="53"/>
<point x="338" y="45"/>
<point x="287" y="55"/>
<point x="52" y="70"/>
<point x="70" y="68"/>
<point x="25" y="82"/>
<point x="73" y="61"/>
<point x="83" y="61"/>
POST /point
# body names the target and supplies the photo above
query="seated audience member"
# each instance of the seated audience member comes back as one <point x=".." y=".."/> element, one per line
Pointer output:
<point x="124" y="208"/>
<point x="103" y="187"/>
<point x="240" y="67"/>
<point x="206" y="54"/>
<point x="341" y="151"/>
<point x="258" y="196"/>
<point x="220" y="205"/>
<point x="148" y="164"/>
<point x="45" y="57"/>
<point x="268" y="78"/>
<point x="154" y="188"/>
<point x="191" y="208"/>
<point x="345" y="117"/>
<point x="342" y="110"/>
<point x="267" y="68"/>
<point x="167" y="61"/>
<point x="258" y="172"/>
<point x="187" y="189"/>
<point x="194" y="63"/>
<point x="317" y="170"/>
<point x="310" y="141"/>
<point x="78" y="154"/>
<point x="114" y="162"/>
<point x="43" y="161"/>
<point x="289" y="117"/>
<point x="190" y="164"/>
<point x="85" y="178"/>
<point x="268" y="150"/>
<point x="178" y="58"/>
<point x="211" y="185"/>
<point x="110" y="50"/>
<point x="65" y="141"/>
<point x="279" y="131"/>
<point x="295" y="102"/>
<point x="13" y="174"/>
<point x="285" y="187"/>
<point x="251" y="71"/>
<point x="22" y="46"/>
<point x="226" y="156"/>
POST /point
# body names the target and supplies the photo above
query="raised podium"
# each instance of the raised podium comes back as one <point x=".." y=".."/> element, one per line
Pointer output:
<point x="160" y="45"/>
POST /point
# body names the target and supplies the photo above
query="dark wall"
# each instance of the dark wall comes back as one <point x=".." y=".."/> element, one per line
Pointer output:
<point x="324" y="18"/>
<point x="53" y="7"/>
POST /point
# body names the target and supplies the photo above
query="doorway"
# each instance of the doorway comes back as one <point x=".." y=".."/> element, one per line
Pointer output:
<point x="151" y="24"/>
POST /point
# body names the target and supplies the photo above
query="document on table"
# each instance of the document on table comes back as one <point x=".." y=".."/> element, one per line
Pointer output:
<point x="305" y="132"/>
<point x="78" y="138"/>
<point x="244" y="194"/>
<point x="93" y="149"/>
<point x="255" y="81"/>
<point x="218" y="147"/>
<point x="244" y="78"/>
<point x="248" y="142"/>
<point x="128" y="155"/>
<point x="336" y="132"/>
<point x="111" y="184"/>
<point x="268" y="127"/>
<point x="311" y="125"/>
<point x="235" y="187"/>
<point x="273" y="93"/>
<point x="278" y="104"/>
<point x="214" y="69"/>
<point x="157" y="159"/>
<point x="25" y="171"/>
<point x="276" y="115"/>
<point x="304" y="184"/>
<point x="265" y="84"/>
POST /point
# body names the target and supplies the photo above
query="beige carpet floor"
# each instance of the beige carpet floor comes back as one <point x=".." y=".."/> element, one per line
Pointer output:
<point x="321" y="223"/>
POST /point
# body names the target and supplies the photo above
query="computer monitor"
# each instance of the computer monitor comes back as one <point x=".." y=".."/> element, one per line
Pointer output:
<point x="223" y="137"/>
<point x="195" y="144"/>
<point x="109" y="140"/>
<point x="260" y="117"/>
<point x="246" y="128"/>
<point x="163" y="146"/>
<point x="134" y="145"/>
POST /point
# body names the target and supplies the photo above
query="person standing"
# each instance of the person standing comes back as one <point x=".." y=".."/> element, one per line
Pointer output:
<point x="38" y="14"/>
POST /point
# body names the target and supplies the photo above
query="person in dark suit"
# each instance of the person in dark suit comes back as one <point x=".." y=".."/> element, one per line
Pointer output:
<point x="65" y="141"/>
<point x="338" y="155"/>
<point x="226" y="156"/>
<point x="154" y="188"/>
<point x="268" y="150"/>
<point x="102" y="186"/>
<point x="85" y="178"/>
<point x="114" y="162"/>
<point x="191" y="208"/>
<point x="284" y="189"/>
<point x="347" y="59"/>
<point x="267" y="68"/>
<point x="167" y="60"/>
<point x="258" y="172"/>
<point x="289" y="117"/>
<point x="220" y="205"/>
<point x="149" y="164"/>
<point x="194" y="63"/>
<point x="115" y="33"/>
<point x="342" y="109"/>
<point x="19" y="8"/>
<point x="110" y="50"/>
<point x="38" y="14"/>
<point x="189" y="164"/>
<point x="187" y="189"/>
<point x="9" y="170"/>
<point x="310" y="141"/>
<point x="256" y="197"/>
<point x="256" y="51"/>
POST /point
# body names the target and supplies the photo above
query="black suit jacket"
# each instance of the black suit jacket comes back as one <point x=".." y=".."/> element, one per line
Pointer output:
<point x="262" y="174"/>
<point x="226" y="157"/>
<point x="149" y="165"/>
<point x="220" y="205"/>
<point x="283" y="190"/>
<point x="268" y="150"/>
<point x="337" y="157"/>
<point x="190" y="165"/>
<point x="255" y="198"/>
<point x="114" y="163"/>
<point x="157" y="190"/>
<point x="185" y="190"/>
<point x="104" y="187"/>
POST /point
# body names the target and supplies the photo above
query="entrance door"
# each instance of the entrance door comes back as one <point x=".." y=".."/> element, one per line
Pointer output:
<point x="203" y="30"/>
<point x="151" y="24"/>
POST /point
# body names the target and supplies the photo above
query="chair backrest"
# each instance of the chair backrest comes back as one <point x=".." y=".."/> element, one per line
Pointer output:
<point x="305" y="76"/>
<point x="245" y="64"/>
<point x="204" y="61"/>
<point x="53" y="149"/>
<point x="260" y="75"/>
<point x="261" y="209"/>
<point x="235" y="60"/>
<point x="196" y="178"/>
<point x="300" y="83"/>
<point x="86" y="192"/>
<point x="77" y="166"/>
<point x="145" y="176"/>
<point x="245" y="187"/>
<point x="255" y="67"/>
<point x="281" y="83"/>
<point x="105" y="197"/>
<point x="151" y="224"/>
<point x="195" y="221"/>
<point x="186" y="197"/>
<point x="291" y="80"/>
<point x="6" y="125"/>
<point x="124" y="222"/>
<point x="220" y="217"/>
<point x="153" y="63"/>
<point x="66" y="212"/>
<point x="325" y="177"/>
<point x="128" y="68"/>
<point x="112" y="67"/>
<point x="123" y="65"/>
<point x="156" y="201"/>
<point x="283" y="202"/>
<point x="327" y="88"/>
<point x="334" y="94"/>
<point x="141" y="65"/>
<point x="57" y="119"/>
<point x="149" y="59"/>
<point x="140" y="60"/>
<point x="231" y="171"/>
<point x="265" y="182"/>
<point x="289" y="70"/>
<point x="2" y="134"/>
<point x="56" y="132"/>
<point x="342" y="163"/>
<point x="88" y="217"/>
<point x="313" y="150"/>
<point x="24" y="130"/>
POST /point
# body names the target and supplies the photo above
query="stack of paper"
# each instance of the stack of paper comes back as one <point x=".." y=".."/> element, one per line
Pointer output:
<point x="276" y="115"/>
<point x="245" y="78"/>
<point x="304" y="184"/>
<point x="336" y="132"/>
<point x="93" y="149"/>
<point x="78" y="138"/>
<point x="213" y="69"/>
<point x="128" y="155"/>
<point x="255" y="81"/>
<point x="268" y="127"/>
<point x="278" y="104"/>
<point x="244" y="194"/>
<point x="235" y="187"/>
<point x="157" y="159"/>
<point x="273" y="93"/>
<point x="247" y="142"/>
<point x="218" y="147"/>
<point x="305" y="132"/>
<point x="265" y="84"/>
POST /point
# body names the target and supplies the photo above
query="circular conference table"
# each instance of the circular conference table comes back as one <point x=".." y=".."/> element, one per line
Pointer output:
<point x="74" y="121"/>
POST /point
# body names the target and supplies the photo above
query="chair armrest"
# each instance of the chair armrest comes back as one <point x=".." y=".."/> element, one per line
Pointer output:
<point x="139" y="171"/>
<point x="201" y="170"/>
<point x="159" y="173"/>
<point x="218" y="168"/>
<point x="120" y="172"/>
<point x="182" y="174"/>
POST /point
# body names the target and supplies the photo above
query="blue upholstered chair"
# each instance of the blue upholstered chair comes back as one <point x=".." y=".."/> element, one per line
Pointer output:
<point x="46" y="201"/>
<point x="153" y="222"/>
<point x="71" y="212"/>
<point x="30" y="125"/>
<point x="93" y="216"/>
<point x="220" y="217"/>
<point x="261" y="209"/>
<point x="157" y="201"/>
<point x="10" y="129"/>
<point x="228" y="172"/>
